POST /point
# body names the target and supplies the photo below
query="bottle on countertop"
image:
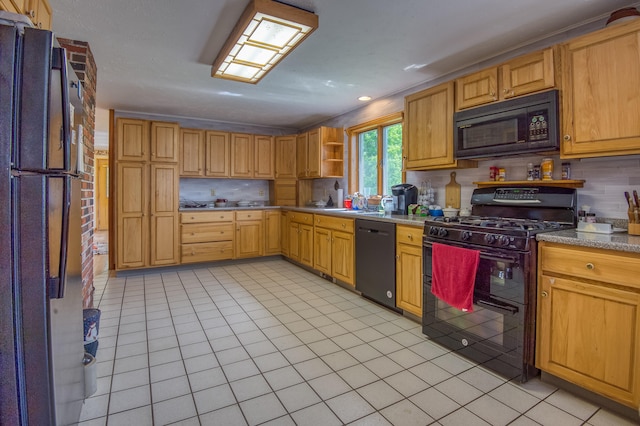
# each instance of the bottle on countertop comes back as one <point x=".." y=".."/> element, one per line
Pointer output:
<point x="530" y="171"/>
<point x="566" y="170"/>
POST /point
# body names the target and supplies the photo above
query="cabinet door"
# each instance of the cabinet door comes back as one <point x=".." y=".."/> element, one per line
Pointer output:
<point x="527" y="74"/>
<point x="409" y="278"/>
<point x="132" y="219"/>
<point x="314" y="154"/>
<point x="301" y="155"/>
<point x="132" y="139"/>
<point x="294" y="240"/>
<point x="590" y="335"/>
<point x="249" y="239"/>
<point x="40" y="13"/>
<point x="284" y="234"/>
<point x="600" y="108"/>
<point x="477" y="89"/>
<point x="164" y="214"/>
<point x="306" y="245"/>
<point x="286" y="157"/>
<point x="272" y="232"/>
<point x="191" y="152"/>
<point x="241" y="155"/>
<point x="164" y="142"/>
<point x="217" y="154"/>
<point x="322" y="250"/>
<point x="428" y="132"/>
<point x="13" y="6"/>
<point x="264" y="157"/>
<point x="343" y="257"/>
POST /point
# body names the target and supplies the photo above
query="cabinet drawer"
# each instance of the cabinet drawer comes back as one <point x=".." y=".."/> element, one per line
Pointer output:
<point x="205" y="252"/>
<point x="608" y="266"/>
<point x="337" y="223"/>
<point x="206" y="232"/>
<point x="249" y="215"/>
<point x="301" y="217"/>
<point x="409" y="235"/>
<point x="199" y="217"/>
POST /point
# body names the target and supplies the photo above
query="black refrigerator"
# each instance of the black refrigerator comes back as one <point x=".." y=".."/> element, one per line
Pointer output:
<point x="41" y="326"/>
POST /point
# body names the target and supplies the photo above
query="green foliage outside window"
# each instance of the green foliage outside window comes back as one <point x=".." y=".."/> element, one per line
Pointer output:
<point x="391" y="159"/>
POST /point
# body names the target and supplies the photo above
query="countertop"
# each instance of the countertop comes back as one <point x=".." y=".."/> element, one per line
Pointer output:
<point x="364" y="214"/>
<point x="620" y="241"/>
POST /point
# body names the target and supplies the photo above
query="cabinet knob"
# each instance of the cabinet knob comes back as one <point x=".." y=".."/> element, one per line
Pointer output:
<point x="544" y="294"/>
<point x="32" y="13"/>
<point x="344" y="225"/>
<point x="567" y="137"/>
<point x="590" y="266"/>
<point x="410" y="237"/>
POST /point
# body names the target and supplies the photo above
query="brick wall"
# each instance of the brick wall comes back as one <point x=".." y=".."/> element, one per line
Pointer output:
<point x="81" y="59"/>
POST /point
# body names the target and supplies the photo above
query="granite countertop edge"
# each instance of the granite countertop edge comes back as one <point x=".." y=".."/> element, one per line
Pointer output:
<point x="619" y="241"/>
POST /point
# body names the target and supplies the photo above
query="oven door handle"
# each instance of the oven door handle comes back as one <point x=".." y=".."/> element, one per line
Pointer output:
<point x="499" y="259"/>
<point x="497" y="305"/>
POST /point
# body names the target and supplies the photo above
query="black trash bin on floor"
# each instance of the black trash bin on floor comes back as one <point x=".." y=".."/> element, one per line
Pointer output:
<point x="91" y="320"/>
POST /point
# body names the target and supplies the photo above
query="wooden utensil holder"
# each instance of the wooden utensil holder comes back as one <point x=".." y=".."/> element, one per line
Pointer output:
<point x="634" y="229"/>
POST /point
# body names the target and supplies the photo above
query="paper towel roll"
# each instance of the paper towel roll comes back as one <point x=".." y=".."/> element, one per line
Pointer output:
<point x="340" y="197"/>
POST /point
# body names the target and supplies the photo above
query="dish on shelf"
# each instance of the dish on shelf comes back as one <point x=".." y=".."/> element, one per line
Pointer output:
<point x="244" y="203"/>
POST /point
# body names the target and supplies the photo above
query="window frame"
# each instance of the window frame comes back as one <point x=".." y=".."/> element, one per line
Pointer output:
<point x="354" y="153"/>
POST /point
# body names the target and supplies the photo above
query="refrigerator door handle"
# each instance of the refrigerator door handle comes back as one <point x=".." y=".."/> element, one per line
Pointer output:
<point x="60" y="64"/>
<point x="57" y="283"/>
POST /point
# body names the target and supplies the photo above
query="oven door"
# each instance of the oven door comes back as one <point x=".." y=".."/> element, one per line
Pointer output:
<point x="494" y="334"/>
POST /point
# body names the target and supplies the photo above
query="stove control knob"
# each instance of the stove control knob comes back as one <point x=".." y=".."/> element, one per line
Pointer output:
<point x="490" y="238"/>
<point x="466" y="235"/>
<point x="442" y="232"/>
<point x="433" y="230"/>
<point x="503" y="240"/>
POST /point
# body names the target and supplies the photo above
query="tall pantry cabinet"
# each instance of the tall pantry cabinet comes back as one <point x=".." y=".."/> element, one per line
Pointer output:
<point x="146" y="189"/>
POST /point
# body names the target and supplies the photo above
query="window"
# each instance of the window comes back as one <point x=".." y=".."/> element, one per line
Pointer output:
<point x="378" y="146"/>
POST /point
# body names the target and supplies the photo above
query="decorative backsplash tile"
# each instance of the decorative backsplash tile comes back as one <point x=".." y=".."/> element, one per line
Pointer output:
<point x="233" y="190"/>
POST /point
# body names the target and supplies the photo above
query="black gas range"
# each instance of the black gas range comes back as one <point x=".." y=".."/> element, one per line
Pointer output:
<point x="500" y="331"/>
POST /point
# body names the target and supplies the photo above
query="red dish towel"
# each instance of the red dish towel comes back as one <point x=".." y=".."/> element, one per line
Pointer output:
<point x="454" y="275"/>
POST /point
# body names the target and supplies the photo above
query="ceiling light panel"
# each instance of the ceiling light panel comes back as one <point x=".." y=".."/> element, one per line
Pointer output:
<point x="266" y="32"/>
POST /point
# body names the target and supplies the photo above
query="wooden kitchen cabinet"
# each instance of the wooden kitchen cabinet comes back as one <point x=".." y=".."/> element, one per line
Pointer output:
<point x="301" y="237"/>
<point x="165" y="139"/>
<point x="286" y="157"/>
<point x="588" y="319"/>
<point x="284" y="233"/>
<point x="132" y="139"/>
<point x="334" y="247"/>
<point x="217" y="153"/>
<point x="525" y="74"/>
<point x="241" y="155"/>
<point x="272" y="233"/>
<point x="40" y="13"/>
<point x="284" y="192"/>
<point x="427" y="136"/>
<point x="192" y="153"/>
<point x="320" y="153"/>
<point x="264" y="150"/>
<point x="600" y="101"/>
<point x="164" y="235"/>
<point x="409" y="269"/>
<point x="14" y="6"/>
<point x="206" y="236"/>
<point x="146" y="206"/>
<point x="249" y="236"/>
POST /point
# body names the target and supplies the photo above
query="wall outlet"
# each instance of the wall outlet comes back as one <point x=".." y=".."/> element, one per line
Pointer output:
<point x="261" y="193"/>
<point x="213" y="192"/>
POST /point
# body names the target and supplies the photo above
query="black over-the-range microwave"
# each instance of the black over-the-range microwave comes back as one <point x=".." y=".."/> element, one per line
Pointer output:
<point x="517" y="126"/>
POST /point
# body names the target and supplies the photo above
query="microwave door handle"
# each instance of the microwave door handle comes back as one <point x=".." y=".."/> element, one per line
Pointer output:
<point x="60" y="64"/>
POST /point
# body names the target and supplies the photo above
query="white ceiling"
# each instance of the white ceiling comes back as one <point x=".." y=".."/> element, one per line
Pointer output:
<point x="155" y="56"/>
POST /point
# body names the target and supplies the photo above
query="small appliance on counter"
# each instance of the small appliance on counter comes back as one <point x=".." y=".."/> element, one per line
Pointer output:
<point x="403" y="195"/>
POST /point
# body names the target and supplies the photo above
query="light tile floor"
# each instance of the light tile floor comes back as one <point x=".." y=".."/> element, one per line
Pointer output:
<point x="267" y="342"/>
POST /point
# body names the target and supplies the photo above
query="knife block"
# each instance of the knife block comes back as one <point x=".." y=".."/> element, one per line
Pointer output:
<point x="634" y="229"/>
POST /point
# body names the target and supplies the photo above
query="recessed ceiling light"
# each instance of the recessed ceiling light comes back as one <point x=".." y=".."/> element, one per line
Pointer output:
<point x="364" y="98"/>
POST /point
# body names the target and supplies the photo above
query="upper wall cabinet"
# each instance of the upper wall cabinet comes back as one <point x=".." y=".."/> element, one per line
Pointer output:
<point x="601" y="100"/>
<point x="191" y="152"/>
<point x="320" y="153"/>
<point x="40" y="13"/>
<point x="14" y="6"/>
<point x="264" y="163"/>
<point x="286" y="157"/>
<point x="132" y="140"/>
<point x="241" y="155"/>
<point x="164" y="142"/>
<point x="217" y="153"/>
<point x="428" y="130"/>
<point x="526" y="74"/>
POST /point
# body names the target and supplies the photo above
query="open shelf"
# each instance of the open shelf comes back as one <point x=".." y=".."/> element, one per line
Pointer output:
<point x="564" y="183"/>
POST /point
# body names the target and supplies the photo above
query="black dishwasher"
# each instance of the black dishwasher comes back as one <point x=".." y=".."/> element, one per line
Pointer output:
<point x="376" y="261"/>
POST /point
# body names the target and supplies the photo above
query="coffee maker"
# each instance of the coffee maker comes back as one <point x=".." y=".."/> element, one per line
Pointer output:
<point x="403" y="195"/>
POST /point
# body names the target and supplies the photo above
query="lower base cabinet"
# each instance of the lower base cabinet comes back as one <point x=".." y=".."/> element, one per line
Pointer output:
<point x="249" y="236"/>
<point x="588" y="319"/>
<point x="301" y="237"/>
<point x="334" y="247"/>
<point x="409" y="269"/>
<point x="206" y="236"/>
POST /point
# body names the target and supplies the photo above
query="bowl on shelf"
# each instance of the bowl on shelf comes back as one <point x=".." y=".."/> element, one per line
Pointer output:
<point x="450" y="212"/>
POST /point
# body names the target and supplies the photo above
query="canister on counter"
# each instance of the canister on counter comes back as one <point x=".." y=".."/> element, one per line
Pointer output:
<point x="493" y="173"/>
<point x="502" y="174"/>
<point x="547" y="168"/>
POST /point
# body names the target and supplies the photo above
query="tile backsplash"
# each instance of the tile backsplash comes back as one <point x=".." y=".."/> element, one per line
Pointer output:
<point x="192" y="189"/>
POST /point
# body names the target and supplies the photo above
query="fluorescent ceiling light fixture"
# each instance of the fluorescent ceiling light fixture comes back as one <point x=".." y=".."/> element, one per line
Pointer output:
<point x="266" y="32"/>
<point x="364" y="98"/>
